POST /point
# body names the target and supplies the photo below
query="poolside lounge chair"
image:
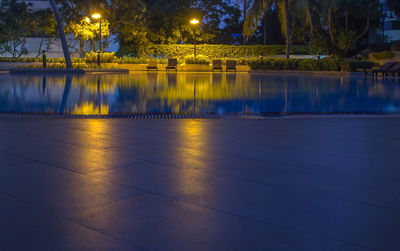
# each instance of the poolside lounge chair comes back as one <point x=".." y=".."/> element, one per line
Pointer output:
<point x="395" y="70"/>
<point x="383" y="69"/>
<point x="172" y="64"/>
<point x="217" y="65"/>
<point x="231" y="65"/>
<point x="152" y="66"/>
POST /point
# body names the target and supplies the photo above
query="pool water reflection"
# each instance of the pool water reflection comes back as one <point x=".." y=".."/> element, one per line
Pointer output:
<point x="198" y="93"/>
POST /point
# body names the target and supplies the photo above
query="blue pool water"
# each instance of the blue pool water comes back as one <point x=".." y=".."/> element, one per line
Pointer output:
<point x="198" y="93"/>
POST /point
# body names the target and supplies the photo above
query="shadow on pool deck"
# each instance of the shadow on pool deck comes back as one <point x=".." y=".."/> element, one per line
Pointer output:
<point x="273" y="184"/>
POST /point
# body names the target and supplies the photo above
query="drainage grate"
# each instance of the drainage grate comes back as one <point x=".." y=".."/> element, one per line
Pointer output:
<point x="233" y="116"/>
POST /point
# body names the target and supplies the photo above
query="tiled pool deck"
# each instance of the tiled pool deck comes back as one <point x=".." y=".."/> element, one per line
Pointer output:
<point x="274" y="184"/>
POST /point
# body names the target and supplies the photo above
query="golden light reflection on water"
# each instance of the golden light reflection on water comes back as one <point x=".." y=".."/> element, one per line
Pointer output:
<point x="197" y="92"/>
<point x="90" y="109"/>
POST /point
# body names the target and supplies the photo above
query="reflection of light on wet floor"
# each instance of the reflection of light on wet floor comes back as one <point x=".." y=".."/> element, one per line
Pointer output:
<point x="191" y="156"/>
<point x="95" y="143"/>
<point x="91" y="155"/>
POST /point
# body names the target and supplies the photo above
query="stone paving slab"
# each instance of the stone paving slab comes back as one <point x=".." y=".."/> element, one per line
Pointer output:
<point x="273" y="184"/>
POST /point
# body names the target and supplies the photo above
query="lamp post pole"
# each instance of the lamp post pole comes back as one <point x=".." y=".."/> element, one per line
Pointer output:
<point x="98" y="16"/>
<point x="195" y="42"/>
<point x="99" y="55"/>
<point x="195" y="22"/>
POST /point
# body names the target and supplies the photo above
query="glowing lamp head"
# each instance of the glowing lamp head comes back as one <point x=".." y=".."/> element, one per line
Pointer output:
<point x="96" y="16"/>
<point x="194" y="21"/>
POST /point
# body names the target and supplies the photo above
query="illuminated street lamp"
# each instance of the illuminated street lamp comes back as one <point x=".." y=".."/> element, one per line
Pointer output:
<point x="97" y="16"/>
<point x="195" y="22"/>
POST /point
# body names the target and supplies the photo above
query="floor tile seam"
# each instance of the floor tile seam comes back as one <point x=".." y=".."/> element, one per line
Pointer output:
<point x="337" y="174"/>
<point x="174" y="147"/>
<point x="356" y="156"/>
<point x="201" y="170"/>
<point x="243" y="216"/>
<point x="206" y="172"/>
<point x="67" y="219"/>
<point x="80" y="173"/>
<point x="313" y="192"/>
<point x="160" y="130"/>
<point x="46" y="163"/>
<point x="224" y="177"/>
<point x="343" y="174"/>
<point x="387" y="207"/>
<point x="274" y="146"/>
<point x="394" y="201"/>
<point x="340" y="248"/>
<point x="310" y="169"/>
<point x="290" y="228"/>
<point x="159" y="163"/>
<point x="140" y="194"/>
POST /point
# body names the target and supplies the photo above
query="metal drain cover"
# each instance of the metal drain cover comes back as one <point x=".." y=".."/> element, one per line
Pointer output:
<point x="236" y="116"/>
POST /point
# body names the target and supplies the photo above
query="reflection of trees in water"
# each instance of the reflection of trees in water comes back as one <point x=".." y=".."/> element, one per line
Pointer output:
<point x="196" y="92"/>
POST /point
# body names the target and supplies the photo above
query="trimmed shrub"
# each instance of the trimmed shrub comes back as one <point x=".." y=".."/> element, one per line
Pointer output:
<point x="105" y="57"/>
<point x="200" y="59"/>
<point x="20" y="60"/>
<point x="61" y="66"/>
<point x="309" y="64"/>
<point x="220" y="51"/>
<point x="131" y="60"/>
<point x="383" y="55"/>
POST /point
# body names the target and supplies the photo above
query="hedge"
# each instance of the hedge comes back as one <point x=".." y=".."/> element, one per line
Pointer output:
<point x="220" y="51"/>
<point x="309" y="64"/>
<point x="383" y="55"/>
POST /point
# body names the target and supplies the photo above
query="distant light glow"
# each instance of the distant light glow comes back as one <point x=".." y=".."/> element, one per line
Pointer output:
<point x="96" y="16"/>
<point x="194" y="21"/>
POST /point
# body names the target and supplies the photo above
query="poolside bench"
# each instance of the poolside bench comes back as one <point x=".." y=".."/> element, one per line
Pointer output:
<point x="383" y="69"/>
<point x="172" y="64"/>
<point x="231" y="65"/>
<point x="395" y="70"/>
<point x="152" y="66"/>
<point x="217" y="65"/>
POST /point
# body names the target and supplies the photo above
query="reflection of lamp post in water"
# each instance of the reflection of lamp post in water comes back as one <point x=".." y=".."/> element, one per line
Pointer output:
<point x="98" y="93"/>
<point x="98" y="16"/>
<point x="195" y="22"/>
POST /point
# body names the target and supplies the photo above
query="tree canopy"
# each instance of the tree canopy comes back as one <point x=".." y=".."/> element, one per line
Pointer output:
<point x="339" y="27"/>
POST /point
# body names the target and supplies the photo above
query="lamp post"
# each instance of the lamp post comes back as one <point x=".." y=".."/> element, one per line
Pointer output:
<point x="97" y="16"/>
<point x="195" y="22"/>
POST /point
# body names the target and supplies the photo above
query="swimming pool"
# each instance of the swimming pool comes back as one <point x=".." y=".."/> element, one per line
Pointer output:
<point x="181" y="93"/>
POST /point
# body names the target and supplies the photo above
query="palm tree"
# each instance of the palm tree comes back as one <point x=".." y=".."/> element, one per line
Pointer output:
<point x="244" y="41"/>
<point x="64" y="44"/>
<point x="257" y="12"/>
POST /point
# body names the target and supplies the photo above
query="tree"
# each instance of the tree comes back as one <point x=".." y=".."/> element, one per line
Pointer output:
<point x="344" y="23"/>
<point x="83" y="31"/>
<point x="127" y="18"/>
<point x="44" y="26"/>
<point x="394" y="5"/>
<point x="86" y="30"/>
<point x="15" y="19"/>
<point x="64" y="44"/>
<point x="244" y="40"/>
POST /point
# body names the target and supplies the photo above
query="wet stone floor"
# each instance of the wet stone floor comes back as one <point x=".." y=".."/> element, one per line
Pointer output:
<point x="274" y="184"/>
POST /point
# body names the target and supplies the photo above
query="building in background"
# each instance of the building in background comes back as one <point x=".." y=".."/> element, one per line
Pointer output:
<point x="391" y="24"/>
